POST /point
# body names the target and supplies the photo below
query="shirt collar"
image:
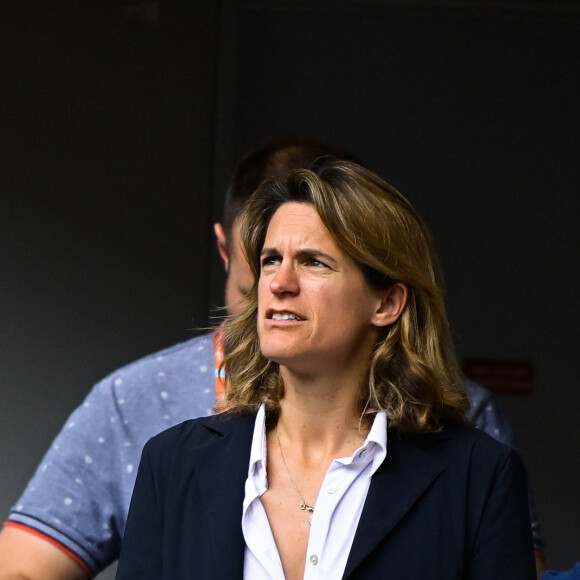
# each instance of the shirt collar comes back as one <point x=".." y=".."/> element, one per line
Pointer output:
<point x="258" y="448"/>
<point x="376" y="442"/>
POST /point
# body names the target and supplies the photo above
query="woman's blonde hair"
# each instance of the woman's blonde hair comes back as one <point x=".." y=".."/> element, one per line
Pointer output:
<point x="413" y="374"/>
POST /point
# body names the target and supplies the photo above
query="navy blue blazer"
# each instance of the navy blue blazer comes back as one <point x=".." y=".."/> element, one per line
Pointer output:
<point x="449" y="505"/>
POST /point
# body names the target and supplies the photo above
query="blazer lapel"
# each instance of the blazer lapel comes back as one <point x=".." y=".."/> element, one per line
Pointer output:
<point x="226" y="456"/>
<point x="402" y="478"/>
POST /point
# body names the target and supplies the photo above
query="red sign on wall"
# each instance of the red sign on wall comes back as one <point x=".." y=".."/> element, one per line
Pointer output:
<point x="504" y="377"/>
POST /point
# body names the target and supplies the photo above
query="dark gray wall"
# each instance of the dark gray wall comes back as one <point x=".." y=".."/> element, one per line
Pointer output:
<point x="106" y="169"/>
<point x="112" y="123"/>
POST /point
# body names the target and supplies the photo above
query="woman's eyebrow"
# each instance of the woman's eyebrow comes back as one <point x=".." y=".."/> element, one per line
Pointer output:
<point x="268" y="252"/>
<point x="317" y="255"/>
<point x="302" y="253"/>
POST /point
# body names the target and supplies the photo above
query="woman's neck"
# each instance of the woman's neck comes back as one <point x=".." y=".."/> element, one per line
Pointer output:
<point x="321" y="416"/>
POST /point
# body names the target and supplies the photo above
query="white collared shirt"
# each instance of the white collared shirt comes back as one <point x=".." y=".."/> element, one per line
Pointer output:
<point x="333" y="523"/>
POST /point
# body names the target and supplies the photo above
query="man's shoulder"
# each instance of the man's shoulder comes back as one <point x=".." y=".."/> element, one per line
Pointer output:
<point x="486" y="414"/>
<point x="181" y="361"/>
<point x="156" y="391"/>
<point x="478" y="395"/>
<point x="188" y="353"/>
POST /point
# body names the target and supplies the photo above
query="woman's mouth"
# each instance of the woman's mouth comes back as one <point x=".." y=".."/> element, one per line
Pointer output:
<point x="284" y="316"/>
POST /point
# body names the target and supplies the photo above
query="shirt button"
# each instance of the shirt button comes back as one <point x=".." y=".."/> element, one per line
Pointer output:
<point x="363" y="452"/>
<point x="331" y="489"/>
<point x="314" y="559"/>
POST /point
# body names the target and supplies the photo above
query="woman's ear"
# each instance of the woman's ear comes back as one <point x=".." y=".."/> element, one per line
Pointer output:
<point x="392" y="304"/>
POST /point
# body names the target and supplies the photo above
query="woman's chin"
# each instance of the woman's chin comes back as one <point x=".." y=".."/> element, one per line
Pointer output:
<point x="279" y="350"/>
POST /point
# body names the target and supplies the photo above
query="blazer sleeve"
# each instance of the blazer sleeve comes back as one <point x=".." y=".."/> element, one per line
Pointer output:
<point x="503" y="547"/>
<point x="142" y="549"/>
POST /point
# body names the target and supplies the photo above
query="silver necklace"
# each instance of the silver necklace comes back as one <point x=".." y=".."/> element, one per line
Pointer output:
<point x="303" y="505"/>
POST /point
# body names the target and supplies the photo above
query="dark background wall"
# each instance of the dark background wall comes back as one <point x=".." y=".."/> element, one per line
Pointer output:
<point x="120" y="126"/>
<point x="106" y="164"/>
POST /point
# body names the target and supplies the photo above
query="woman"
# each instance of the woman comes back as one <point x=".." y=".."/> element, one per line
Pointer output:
<point x="342" y="451"/>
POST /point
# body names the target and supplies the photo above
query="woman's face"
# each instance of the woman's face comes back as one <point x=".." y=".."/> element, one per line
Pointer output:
<point x="316" y="313"/>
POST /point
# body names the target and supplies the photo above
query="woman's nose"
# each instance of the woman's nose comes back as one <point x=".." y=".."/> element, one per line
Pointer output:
<point x="285" y="280"/>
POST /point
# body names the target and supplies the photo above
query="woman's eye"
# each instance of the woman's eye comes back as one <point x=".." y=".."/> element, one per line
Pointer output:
<point x="316" y="263"/>
<point x="270" y="261"/>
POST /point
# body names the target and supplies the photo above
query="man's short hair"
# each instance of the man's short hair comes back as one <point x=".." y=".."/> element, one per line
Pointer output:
<point x="273" y="159"/>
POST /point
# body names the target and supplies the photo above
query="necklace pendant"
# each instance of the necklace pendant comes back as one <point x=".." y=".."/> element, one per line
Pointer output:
<point x="306" y="507"/>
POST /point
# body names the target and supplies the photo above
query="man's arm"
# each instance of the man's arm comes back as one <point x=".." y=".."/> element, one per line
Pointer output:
<point x="78" y="498"/>
<point x="24" y="556"/>
<point x="75" y="500"/>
